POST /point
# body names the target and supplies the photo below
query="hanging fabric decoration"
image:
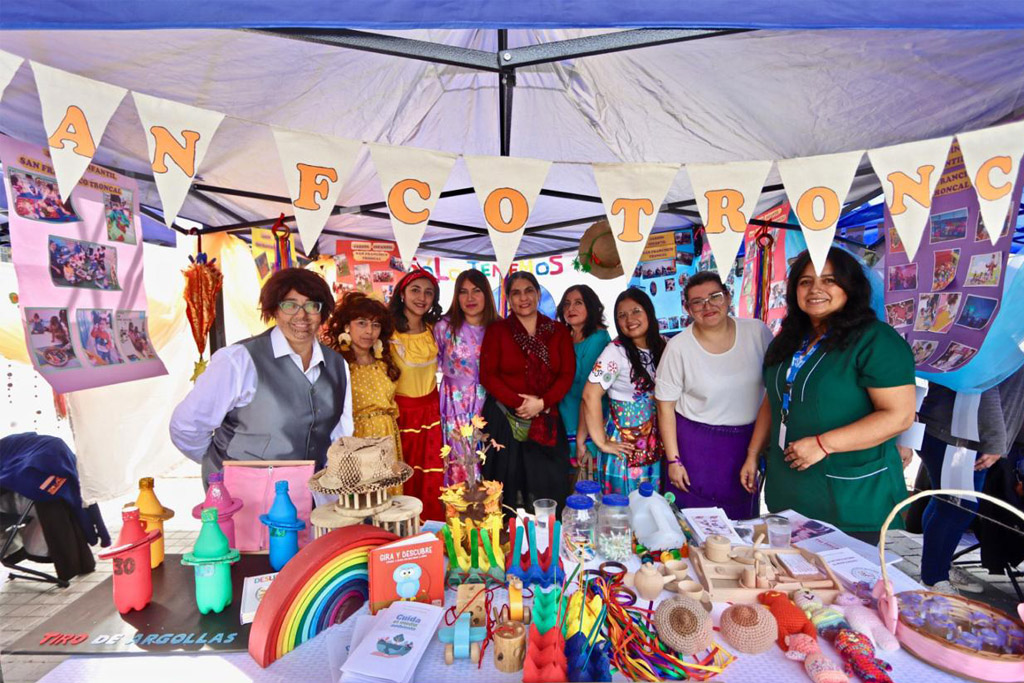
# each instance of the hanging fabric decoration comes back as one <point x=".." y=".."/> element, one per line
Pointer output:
<point x="284" y="257"/>
<point x="9" y="65"/>
<point x="992" y="160"/>
<point x="203" y="281"/>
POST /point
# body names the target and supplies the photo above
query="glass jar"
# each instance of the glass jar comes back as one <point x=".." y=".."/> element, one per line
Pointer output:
<point x="579" y="527"/>
<point x="591" y="489"/>
<point x="614" y="535"/>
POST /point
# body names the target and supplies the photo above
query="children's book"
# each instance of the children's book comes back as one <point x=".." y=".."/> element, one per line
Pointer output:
<point x="252" y="592"/>
<point x="393" y="645"/>
<point x="409" y="570"/>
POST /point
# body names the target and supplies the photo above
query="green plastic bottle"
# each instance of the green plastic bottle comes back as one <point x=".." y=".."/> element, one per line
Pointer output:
<point x="212" y="558"/>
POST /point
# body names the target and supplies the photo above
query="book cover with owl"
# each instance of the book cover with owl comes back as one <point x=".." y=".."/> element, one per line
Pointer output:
<point x="409" y="569"/>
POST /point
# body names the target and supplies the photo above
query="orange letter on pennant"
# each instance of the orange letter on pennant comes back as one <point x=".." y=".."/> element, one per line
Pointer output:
<point x="520" y="209"/>
<point x="166" y="145"/>
<point x="74" y="129"/>
<point x="983" y="182"/>
<point x="401" y="210"/>
<point x="805" y="208"/>
<point x="724" y="205"/>
<point x="311" y="187"/>
<point x="904" y="186"/>
<point x="631" y="210"/>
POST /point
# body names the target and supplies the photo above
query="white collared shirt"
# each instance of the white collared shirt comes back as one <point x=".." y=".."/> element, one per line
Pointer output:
<point x="229" y="382"/>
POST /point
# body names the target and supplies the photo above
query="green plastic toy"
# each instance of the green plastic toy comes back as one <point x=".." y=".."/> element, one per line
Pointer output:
<point x="212" y="558"/>
<point x="545" y="609"/>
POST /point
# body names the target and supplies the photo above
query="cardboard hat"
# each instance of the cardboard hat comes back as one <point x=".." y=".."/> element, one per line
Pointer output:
<point x="360" y="465"/>
<point x="599" y="254"/>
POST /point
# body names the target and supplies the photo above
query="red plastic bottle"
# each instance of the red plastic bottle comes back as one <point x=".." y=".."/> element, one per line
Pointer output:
<point x="133" y="576"/>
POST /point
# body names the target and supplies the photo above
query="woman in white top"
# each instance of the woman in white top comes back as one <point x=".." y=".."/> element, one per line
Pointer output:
<point x="631" y="450"/>
<point x="709" y="392"/>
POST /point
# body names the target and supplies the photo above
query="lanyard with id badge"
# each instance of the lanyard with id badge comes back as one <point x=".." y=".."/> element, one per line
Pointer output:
<point x="799" y="358"/>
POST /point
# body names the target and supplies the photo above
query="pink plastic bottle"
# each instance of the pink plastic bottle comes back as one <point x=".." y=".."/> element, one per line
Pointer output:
<point x="133" y="575"/>
<point x="218" y="496"/>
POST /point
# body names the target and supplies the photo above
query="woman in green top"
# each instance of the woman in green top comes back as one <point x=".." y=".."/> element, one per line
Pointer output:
<point x="840" y="387"/>
<point x="583" y="312"/>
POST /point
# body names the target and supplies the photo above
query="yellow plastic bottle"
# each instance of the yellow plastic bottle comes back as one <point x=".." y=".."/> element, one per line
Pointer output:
<point x="153" y="516"/>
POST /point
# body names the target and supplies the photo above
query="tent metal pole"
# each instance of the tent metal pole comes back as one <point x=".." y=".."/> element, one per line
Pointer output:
<point x="506" y="86"/>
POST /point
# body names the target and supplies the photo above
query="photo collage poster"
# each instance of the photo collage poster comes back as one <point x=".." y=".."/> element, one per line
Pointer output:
<point x="944" y="301"/>
<point x="80" y="272"/>
<point x="667" y="262"/>
<point x="367" y="266"/>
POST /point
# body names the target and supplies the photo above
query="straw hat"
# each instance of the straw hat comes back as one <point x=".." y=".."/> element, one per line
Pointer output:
<point x="599" y="255"/>
<point x="358" y="465"/>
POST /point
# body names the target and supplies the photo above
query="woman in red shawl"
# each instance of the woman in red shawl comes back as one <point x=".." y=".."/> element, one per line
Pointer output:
<point x="527" y="365"/>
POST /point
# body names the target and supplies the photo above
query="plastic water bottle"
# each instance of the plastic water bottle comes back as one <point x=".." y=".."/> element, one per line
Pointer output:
<point x="653" y="521"/>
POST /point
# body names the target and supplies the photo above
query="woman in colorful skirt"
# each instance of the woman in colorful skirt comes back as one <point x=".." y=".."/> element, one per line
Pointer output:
<point x="630" y="445"/>
<point x="414" y="309"/>
<point x="459" y="336"/>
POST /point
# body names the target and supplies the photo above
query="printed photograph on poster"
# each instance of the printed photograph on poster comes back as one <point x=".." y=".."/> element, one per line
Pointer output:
<point x="133" y="336"/>
<point x="674" y="323"/>
<point x="49" y="338"/>
<point x="903" y="278"/>
<point x="653" y="288"/>
<point x="87" y="265"/>
<point x="395" y="263"/>
<point x="37" y="198"/>
<point x="663" y="324"/>
<point x="978" y="311"/>
<point x="923" y="350"/>
<point x="670" y="284"/>
<point x="96" y="336"/>
<point x="262" y="265"/>
<point x="341" y="265"/>
<point x="118" y="210"/>
<point x="362" y="274"/>
<point x="382" y="277"/>
<point x="955" y="355"/>
<point x="684" y="238"/>
<point x="658" y="268"/>
<point x="981" y="232"/>
<point x="777" y="295"/>
<point x="682" y="280"/>
<point x="895" y="244"/>
<point x="948" y="226"/>
<point x="985" y="270"/>
<point x="684" y="259"/>
<point x="775" y="324"/>
<point x="936" y="312"/>
<point x="944" y="272"/>
<point x="900" y="313"/>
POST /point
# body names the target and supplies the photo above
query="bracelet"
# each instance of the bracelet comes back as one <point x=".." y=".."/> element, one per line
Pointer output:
<point x="672" y="462"/>
<point x="823" y="449"/>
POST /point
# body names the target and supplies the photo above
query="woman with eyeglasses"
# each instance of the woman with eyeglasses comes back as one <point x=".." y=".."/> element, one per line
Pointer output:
<point x="281" y="395"/>
<point x="709" y="393"/>
<point x="414" y="310"/>
<point x="631" y="448"/>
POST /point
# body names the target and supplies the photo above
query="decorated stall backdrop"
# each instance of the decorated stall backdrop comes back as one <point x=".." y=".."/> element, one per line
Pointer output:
<point x="665" y="265"/>
<point x="368" y="266"/>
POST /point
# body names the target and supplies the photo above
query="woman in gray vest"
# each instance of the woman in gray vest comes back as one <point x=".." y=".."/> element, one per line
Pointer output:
<point x="281" y="395"/>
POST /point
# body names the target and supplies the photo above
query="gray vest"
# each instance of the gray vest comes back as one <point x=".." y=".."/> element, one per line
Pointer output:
<point x="288" y="419"/>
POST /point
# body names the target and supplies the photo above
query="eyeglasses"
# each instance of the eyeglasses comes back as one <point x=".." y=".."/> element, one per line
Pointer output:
<point x="292" y="307"/>
<point x="622" y="315"/>
<point x="716" y="299"/>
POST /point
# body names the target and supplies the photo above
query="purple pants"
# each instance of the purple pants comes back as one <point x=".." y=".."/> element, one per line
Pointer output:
<point x="713" y="456"/>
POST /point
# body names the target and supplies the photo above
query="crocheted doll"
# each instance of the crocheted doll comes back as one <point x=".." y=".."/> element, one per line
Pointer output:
<point x="789" y="617"/>
<point x="826" y="619"/>
<point x="859" y="657"/>
<point x="819" y="668"/>
<point x="867" y="621"/>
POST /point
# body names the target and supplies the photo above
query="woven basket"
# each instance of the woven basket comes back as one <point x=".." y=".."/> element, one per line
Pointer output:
<point x="951" y="657"/>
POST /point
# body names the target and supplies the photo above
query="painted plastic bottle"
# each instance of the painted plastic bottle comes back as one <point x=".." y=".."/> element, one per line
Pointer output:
<point x="218" y="496"/>
<point x="284" y="524"/>
<point x="133" y="575"/>
<point x="153" y="516"/>
<point x="652" y="520"/>
<point x="212" y="557"/>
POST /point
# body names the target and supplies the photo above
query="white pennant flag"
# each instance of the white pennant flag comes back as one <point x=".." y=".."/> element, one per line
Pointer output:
<point x="909" y="174"/>
<point x="817" y="188"/>
<point x="632" y="195"/>
<point x="8" y="67"/>
<point x="76" y="111"/>
<point x="726" y="196"/>
<point x="412" y="180"/>
<point x="177" y="136"/>
<point x="992" y="159"/>
<point x="507" y="189"/>
<point x="315" y="166"/>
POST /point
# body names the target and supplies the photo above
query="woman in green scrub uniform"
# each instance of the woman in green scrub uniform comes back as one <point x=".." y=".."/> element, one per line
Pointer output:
<point x="841" y="388"/>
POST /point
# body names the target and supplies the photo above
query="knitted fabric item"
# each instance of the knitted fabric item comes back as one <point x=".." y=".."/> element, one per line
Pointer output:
<point x="859" y="655"/>
<point x="749" y="628"/>
<point x="789" y="617"/>
<point x="827" y="620"/>
<point x="818" y="666"/>
<point x="683" y="625"/>
<point x="867" y="621"/>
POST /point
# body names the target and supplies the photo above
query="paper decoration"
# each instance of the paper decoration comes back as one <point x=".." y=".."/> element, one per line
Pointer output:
<point x="9" y="65"/>
<point x="177" y="136"/>
<point x="315" y="166"/>
<point x="412" y="180"/>
<point x="507" y="189"/>
<point x="992" y="159"/>
<point x="632" y="195"/>
<point x="76" y="111"/>
<point x="726" y="196"/>
<point x="909" y="174"/>
<point x="817" y="188"/>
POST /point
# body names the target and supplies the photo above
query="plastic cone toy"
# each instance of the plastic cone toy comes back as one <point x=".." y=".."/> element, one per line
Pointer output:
<point x="212" y="558"/>
<point x="133" y="575"/>
<point x="217" y="496"/>
<point x="153" y="516"/>
<point x="283" y="520"/>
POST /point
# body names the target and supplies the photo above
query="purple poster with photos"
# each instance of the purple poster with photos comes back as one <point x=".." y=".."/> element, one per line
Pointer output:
<point x="944" y="301"/>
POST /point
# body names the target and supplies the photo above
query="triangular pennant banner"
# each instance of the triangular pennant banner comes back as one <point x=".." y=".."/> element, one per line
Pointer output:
<point x="507" y="189"/>
<point x="76" y="111"/>
<point x="817" y="188"/>
<point x="909" y="174"/>
<point x="177" y="136"/>
<point x="412" y="180"/>
<point x="992" y="160"/>
<point x="8" y="67"/>
<point x="632" y="195"/>
<point x="315" y="166"/>
<point x="726" y="196"/>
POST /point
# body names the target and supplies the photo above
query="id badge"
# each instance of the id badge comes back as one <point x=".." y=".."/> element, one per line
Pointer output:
<point x="782" y="436"/>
